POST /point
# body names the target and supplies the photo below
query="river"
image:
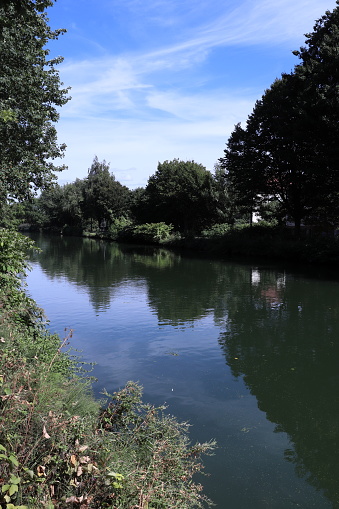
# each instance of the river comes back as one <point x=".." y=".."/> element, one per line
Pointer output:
<point x="247" y="353"/>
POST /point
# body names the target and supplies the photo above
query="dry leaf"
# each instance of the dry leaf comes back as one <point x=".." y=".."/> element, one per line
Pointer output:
<point x="73" y="460"/>
<point x="44" y="432"/>
<point x="85" y="459"/>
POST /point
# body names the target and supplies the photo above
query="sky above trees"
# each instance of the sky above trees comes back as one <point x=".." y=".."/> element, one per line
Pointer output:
<point x="162" y="79"/>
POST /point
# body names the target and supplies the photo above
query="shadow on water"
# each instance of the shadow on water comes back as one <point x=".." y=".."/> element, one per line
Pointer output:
<point x="279" y="332"/>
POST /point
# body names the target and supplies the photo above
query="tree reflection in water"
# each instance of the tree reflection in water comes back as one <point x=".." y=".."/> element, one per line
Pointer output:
<point x="282" y="337"/>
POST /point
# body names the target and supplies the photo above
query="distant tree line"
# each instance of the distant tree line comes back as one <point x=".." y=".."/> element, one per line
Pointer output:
<point x="180" y="193"/>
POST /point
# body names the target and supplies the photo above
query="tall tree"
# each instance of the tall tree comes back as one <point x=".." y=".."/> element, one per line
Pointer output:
<point x="319" y="71"/>
<point x="30" y="93"/>
<point x="104" y="197"/>
<point x="61" y="205"/>
<point x="289" y="150"/>
<point x="281" y="136"/>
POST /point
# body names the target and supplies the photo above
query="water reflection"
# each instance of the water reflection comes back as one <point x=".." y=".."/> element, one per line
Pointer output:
<point x="287" y="352"/>
<point x="98" y="267"/>
<point x="278" y="332"/>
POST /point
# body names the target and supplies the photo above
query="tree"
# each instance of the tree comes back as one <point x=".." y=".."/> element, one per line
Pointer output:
<point x="282" y="135"/>
<point x="242" y="183"/>
<point x="50" y="204"/>
<point x="179" y="193"/>
<point x="104" y="198"/>
<point x="61" y="205"/>
<point x="30" y="92"/>
<point x="227" y="208"/>
<point x="289" y="150"/>
<point x="319" y="71"/>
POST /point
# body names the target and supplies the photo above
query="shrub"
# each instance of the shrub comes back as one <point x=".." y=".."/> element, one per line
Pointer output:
<point x="149" y="233"/>
<point x="59" y="450"/>
<point x="117" y="225"/>
<point x="217" y="230"/>
<point x="14" y="303"/>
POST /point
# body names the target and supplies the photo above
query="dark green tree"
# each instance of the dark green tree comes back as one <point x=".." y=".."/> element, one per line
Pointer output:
<point x="30" y="93"/>
<point x="180" y="193"/>
<point x="138" y="203"/>
<point x="61" y="205"/>
<point x="242" y="183"/>
<point x="50" y="203"/>
<point x="289" y="150"/>
<point x="104" y="198"/>
<point x="319" y="71"/>
<point x="281" y="134"/>
<point x="226" y="204"/>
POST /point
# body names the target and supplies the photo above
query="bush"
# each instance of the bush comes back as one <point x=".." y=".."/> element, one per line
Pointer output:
<point x="149" y="233"/>
<point x="217" y="230"/>
<point x="117" y="225"/>
<point x="59" y="450"/>
<point x="14" y="303"/>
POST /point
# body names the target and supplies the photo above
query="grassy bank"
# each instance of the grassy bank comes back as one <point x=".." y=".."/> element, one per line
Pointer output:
<point x="59" y="447"/>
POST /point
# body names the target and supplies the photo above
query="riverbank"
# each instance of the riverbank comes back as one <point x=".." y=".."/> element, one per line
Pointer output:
<point x="59" y="447"/>
<point x="259" y="241"/>
<point x="266" y="244"/>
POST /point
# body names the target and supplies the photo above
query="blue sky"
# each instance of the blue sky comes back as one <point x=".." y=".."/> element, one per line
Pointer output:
<point x="154" y="80"/>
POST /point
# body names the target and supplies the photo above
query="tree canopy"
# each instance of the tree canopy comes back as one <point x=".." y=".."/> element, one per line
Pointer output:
<point x="179" y="193"/>
<point x="30" y="95"/>
<point x="104" y="198"/>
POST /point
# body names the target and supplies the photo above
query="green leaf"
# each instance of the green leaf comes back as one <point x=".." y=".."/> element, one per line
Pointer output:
<point x="30" y="473"/>
<point x="5" y="487"/>
<point x="13" y="489"/>
<point x="2" y="448"/>
<point x="14" y="480"/>
<point x="13" y="460"/>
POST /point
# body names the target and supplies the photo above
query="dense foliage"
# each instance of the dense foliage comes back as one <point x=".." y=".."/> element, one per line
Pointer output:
<point x="181" y="196"/>
<point x="104" y="198"/>
<point x="30" y="93"/>
<point x="179" y="193"/>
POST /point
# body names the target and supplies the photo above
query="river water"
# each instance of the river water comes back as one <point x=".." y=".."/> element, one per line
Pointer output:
<point x="247" y="353"/>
